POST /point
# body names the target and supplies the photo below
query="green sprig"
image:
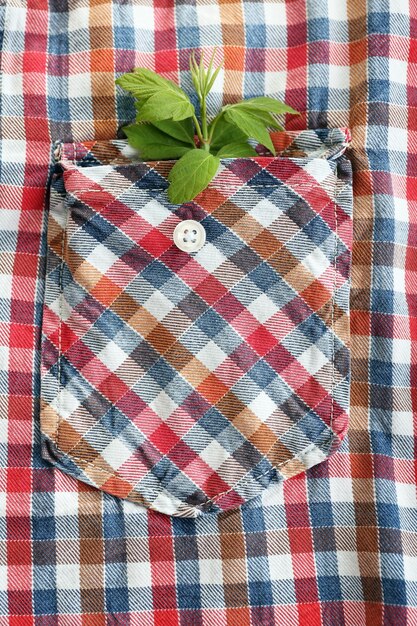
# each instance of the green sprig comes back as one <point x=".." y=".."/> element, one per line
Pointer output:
<point x="167" y="126"/>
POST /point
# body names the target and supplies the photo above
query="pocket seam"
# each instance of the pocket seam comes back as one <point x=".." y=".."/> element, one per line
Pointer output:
<point x="203" y="505"/>
<point x="61" y="296"/>
<point x="71" y="169"/>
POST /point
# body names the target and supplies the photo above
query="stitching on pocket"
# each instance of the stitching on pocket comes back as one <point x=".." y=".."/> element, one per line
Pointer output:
<point x="336" y="247"/>
<point x="297" y="189"/>
<point x="61" y="297"/>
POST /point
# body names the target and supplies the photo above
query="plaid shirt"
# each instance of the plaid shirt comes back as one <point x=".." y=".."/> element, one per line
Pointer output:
<point x="335" y="544"/>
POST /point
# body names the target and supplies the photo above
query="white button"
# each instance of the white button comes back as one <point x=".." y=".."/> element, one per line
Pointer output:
<point x="189" y="235"/>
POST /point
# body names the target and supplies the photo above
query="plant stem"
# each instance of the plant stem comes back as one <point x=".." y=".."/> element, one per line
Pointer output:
<point x="197" y="127"/>
<point x="213" y="126"/>
<point x="204" y="117"/>
<point x="206" y="144"/>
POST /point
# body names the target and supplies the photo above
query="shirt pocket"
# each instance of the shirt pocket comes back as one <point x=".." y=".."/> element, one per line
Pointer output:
<point x="188" y="381"/>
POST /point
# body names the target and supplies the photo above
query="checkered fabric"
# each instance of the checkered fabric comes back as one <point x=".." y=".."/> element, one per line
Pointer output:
<point x="335" y="545"/>
<point x="188" y="382"/>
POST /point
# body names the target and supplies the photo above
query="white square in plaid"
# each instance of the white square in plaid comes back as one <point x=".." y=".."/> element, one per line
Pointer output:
<point x="65" y="403"/>
<point x="4" y="358"/>
<point x="97" y="175"/>
<point x="397" y="137"/>
<point x="316" y="262"/>
<point x="102" y="258"/>
<point x="401" y="351"/>
<point x="158" y="305"/>
<point x="154" y="212"/>
<point x="12" y="84"/>
<point x="402" y="423"/>
<point x="313" y="359"/>
<point x="211" y="571"/>
<point x="211" y="355"/>
<point x="265" y="212"/>
<point x="398" y="74"/>
<point x="166" y="502"/>
<point x="78" y="18"/>
<point x="263" y="406"/>
<point x="410" y="567"/>
<point x="3" y="576"/>
<point x="341" y="489"/>
<point x="347" y="563"/>
<point x="280" y="567"/>
<point x="214" y="455"/>
<point x="398" y="280"/>
<point x="138" y="574"/>
<point x="56" y="305"/>
<point x="65" y="503"/>
<point x="112" y="356"/>
<point x="163" y="405"/>
<point x="79" y="84"/>
<point x="401" y="213"/>
<point x="275" y="82"/>
<point x="339" y="76"/>
<point x="143" y="15"/>
<point x="16" y="19"/>
<point x="262" y="308"/>
<point x="332" y="10"/>
<point x="209" y="257"/>
<point x="3" y="434"/>
<point x="406" y="495"/>
<point x="275" y="13"/>
<point x="208" y="15"/>
<point x="5" y="285"/>
<point x="319" y="170"/>
<point x="116" y="453"/>
<point x="14" y="150"/>
<point x="67" y="576"/>
<point x="9" y="219"/>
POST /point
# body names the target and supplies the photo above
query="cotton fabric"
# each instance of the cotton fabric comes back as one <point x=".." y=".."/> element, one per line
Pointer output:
<point x="334" y="545"/>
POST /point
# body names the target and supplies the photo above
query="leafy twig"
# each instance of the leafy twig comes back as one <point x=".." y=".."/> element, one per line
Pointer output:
<point x="166" y="125"/>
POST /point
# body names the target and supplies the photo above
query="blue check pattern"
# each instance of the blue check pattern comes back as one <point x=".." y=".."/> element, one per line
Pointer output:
<point x="333" y="545"/>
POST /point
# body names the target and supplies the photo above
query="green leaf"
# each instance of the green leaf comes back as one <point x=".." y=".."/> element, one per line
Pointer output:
<point x="191" y="174"/>
<point x="153" y="144"/>
<point x="129" y="82"/>
<point x="194" y="73"/>
<point x="167" y="125"/>
<point x="225" y="133"/>
<point x="144" y="83"/>
<point x="163" y="99"/>
<point x="182" y="130"/>
<point x="263" y="116"/>
<point x="201" y="73"/>
<point x="250" y="125"/>
<point x="264" y="103"/>
<point x="213" y="78"/>
<point x="165" y="105"/>
<point x="233" y="150"/>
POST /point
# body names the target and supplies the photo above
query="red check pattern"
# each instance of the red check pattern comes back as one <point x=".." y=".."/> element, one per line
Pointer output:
<point x="334" y="545"/>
